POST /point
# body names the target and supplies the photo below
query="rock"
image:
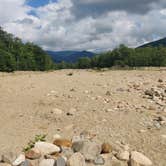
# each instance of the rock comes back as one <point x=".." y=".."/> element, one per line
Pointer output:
<point x="56" y="136"/>
<point x="138" y="159"/>
<point x="71" y="112"/>
<point x="26" y="163"/>
<point x="99" y="160"/>
<point x="63" y="143"/>
<point x="46" y="148"/>
<point x="108" y="93"/>
<point x="77" y="159"/>
<point x="90" y="150"/>
<point x="9" y="157"/>
<point x="33" y="154"/>
<point x="60" y="162"/>
<point x="56" y="111"/>
<point x="123" y="156"/>
<point x="47" y="162"/>
<point x="149" y="92"/>
<point x="19" y="160"/>
<point x="67" y="152"/>
<point x="106" y="148"/>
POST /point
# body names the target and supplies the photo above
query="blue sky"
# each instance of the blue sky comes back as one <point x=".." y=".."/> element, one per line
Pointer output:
<point x="38" y="3"/>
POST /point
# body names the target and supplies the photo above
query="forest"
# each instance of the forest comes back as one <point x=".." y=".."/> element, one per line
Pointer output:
<point x="16" y="55"/>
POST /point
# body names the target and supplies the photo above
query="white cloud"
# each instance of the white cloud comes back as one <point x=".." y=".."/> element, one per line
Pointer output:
<point x="56" y="27"/>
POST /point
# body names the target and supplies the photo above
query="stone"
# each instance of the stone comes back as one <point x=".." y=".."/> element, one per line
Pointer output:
<point x="123" y="156"/>
<point x="47" y="162"/>
<point x="56" y="136"/>
<point x="99" y="160"/>
<point x="33" y="154"/>
<point x="56" y="111"/>
<point x="19" y="160"/>
<point x="60" y="162"/>
<point x="9" y="157"/>
<point x="106" y="148"/>
<point x="67" y="152"/>
<point x="46" y="148"/>
<point x="63" y="143"/>
<point x="90" y="150"/>
<point x="138" y="159"/>
<point x="77" y="159"/>
<point x="26" y="163"/>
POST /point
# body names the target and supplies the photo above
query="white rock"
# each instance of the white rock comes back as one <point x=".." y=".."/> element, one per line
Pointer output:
<point x="19" y="160"/>
<point x="77" y="159"/>
<point x="46" y="148"/>
<point x="47" y="162"/>
<point x="138" y="159"/>
<point x="123" y="155"/>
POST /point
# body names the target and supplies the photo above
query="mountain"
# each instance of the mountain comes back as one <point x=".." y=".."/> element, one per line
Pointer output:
<point x="161" y="42"/>
<point x="69" y="56"/>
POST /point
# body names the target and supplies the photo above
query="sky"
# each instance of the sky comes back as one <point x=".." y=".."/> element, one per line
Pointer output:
<point x="94" y="25"/>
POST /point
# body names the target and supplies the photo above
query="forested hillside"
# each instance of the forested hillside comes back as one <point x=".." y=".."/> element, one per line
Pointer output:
<point x="15" y="55"/>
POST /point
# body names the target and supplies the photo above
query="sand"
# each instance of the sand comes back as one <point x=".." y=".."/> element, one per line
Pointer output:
<point x="28" y="100"/>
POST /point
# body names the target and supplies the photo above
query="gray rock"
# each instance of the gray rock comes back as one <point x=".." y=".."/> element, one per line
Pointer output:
<point x="19" y="160"/>
<point x="67" y="152"/>
<point x="26" y="163"/>
<point x="60" y="162"/>
<point x="138" y="159"/>
<point x="9" y="157"/>
<point x="77" y="159"/>
<point x="46" y="148"/>
<point x="47" y="162"/>
<point x="99" y="160"/>
<point x="90" y="150"/>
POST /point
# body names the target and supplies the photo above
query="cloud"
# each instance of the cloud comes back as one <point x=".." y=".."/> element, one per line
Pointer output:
<point x="85" y="25"/>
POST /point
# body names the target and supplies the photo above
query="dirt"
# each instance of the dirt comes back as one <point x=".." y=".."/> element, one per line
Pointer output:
<point x="110" y="105"/>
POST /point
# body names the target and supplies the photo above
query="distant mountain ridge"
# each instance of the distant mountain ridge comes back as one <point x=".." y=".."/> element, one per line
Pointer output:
<point x="69" y="56"/>
<point x="157" y="43"/>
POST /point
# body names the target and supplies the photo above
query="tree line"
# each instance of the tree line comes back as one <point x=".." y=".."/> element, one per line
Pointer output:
<point x="123" y="57"/>
<point x="16" y="55"/>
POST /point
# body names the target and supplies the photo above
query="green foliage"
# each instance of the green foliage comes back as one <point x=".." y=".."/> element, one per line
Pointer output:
<point x="31" y="143"/>
<point x="15" y="55"/>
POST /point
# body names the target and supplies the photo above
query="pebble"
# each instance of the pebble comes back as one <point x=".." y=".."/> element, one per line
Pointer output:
<point x="46" y="148"/>
<point x="56" y="111"/>
<point x="106" y="148"/>
<point x="139" y="159"/>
